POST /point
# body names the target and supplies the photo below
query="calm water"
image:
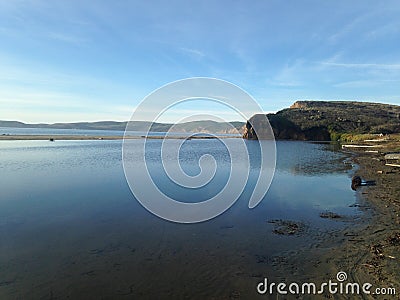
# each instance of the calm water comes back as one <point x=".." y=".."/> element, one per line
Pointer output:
<point x="71" y="228"/>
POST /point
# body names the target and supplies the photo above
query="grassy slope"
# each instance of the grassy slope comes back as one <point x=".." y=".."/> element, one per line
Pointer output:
<point x="340" y="117"/>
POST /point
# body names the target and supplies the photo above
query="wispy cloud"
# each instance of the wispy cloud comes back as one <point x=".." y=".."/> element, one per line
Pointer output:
<point x="392" y="28"/>
<point x="68" y="38"/>
<point x="57" y="107"/>
<point x="348" y="29"/>
<point x="365" y="83"/>
<point x="367" y="24"/>
<point x="363" y="65"/>
<point x="193" y="52"/>
<point x="290" y="75"/>
<point x="76" y="56"/>
<point x="23" y="73"/>
<point x="25" y="98"/>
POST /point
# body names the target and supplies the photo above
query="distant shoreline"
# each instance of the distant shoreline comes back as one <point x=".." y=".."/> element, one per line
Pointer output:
<point x="37" y="137"/>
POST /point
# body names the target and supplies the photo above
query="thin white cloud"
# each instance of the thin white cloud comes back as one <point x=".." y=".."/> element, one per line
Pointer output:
<point x="193" y="52"/>
<point x="57" y="108"/>
<point x="290" y="75"/>
<point x="68" y="38"/>
<point x="383" y="31"/>
<point x="36" y="106"/>
<point x="58" y="117"/>
<point x="16" y="76"/>
<point x="348" y="29"/>
<point x="364" y="26"/>
<point x="43" y="99"/>
<point x="363" y="65"/>
<point x="366" y="83"/>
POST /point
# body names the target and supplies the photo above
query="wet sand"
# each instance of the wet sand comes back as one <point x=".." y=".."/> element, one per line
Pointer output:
<point x="374" y="250"/>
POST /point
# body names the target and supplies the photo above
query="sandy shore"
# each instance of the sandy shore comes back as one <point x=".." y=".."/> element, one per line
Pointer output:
<point x="374" y="253"/>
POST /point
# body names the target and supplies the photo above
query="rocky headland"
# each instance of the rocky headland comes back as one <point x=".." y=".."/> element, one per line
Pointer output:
<point x="326" y="121"/>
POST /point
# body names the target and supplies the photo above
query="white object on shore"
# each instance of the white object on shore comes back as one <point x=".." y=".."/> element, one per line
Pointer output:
<point x="392" y="156"/>
<point x="379" y="140"/>
<point x="361" y="146"/>
<point x="393" y="165"/>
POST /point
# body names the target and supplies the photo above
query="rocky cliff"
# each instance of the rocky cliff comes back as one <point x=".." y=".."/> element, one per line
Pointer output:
<point x="326" y="120"/>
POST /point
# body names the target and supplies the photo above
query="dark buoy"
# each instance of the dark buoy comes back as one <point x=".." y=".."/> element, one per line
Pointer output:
<point x="51" y="139"/>
<point x="355" y="182"/>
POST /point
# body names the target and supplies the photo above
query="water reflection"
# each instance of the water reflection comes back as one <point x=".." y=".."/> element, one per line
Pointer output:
<point x="70" y="227"/>
<point x="311" y="159"/>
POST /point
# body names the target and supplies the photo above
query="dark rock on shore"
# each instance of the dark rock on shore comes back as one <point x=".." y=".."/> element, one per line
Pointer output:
<point x="355" y="182"/>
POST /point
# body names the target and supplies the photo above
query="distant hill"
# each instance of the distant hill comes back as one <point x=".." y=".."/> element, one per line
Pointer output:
<point x="206" y="126"/>
<point x="327" y="120"/>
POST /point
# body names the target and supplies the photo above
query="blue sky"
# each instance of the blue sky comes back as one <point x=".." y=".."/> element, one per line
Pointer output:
<point x="64" y="61"/>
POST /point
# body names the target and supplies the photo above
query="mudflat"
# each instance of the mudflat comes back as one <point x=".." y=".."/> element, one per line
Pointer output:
<point x="368" y="249"/>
